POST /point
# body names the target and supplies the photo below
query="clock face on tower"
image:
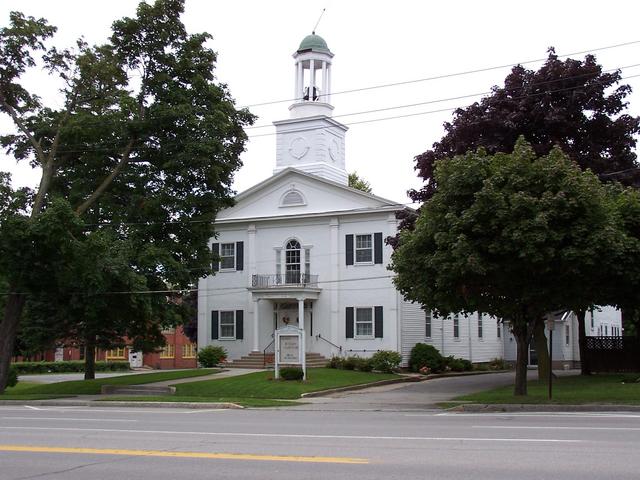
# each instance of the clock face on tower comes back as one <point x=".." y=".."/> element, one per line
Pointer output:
<point x="298" y="147"/>
<point x="334" y="149"/>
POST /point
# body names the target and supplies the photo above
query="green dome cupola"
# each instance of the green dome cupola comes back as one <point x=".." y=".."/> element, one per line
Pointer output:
<point x="313" y="43"/>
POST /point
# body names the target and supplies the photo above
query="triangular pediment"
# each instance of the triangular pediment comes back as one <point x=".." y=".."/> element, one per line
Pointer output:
<point x="292" y="192"/>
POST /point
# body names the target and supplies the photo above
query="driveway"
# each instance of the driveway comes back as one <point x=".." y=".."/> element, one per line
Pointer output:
<point x="412" y="396"/>
<point x="63" y="377"/>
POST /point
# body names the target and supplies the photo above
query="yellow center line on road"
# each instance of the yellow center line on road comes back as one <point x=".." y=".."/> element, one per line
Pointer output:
<point x="162" y="453"/>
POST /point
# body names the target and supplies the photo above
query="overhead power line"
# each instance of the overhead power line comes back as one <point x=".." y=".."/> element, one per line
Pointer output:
<point x="440" y="109"/>
<point x="450" y="75"/>
<point x="190" y="290"/>
<point x="459" y="97"/>
<point x="63" y="150"/>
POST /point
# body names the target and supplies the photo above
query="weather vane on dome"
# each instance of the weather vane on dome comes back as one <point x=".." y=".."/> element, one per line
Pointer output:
<point x="319" y="18"/>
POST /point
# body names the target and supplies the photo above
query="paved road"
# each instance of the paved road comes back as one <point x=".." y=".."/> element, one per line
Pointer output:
<point x="412" y="396"/>
<point x="98" y="443"/>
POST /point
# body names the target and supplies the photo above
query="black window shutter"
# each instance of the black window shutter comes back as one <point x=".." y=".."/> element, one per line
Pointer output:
<point x="311" y="324"/>
<point x="214" y="325"/>
<point x="215" y="257"/>
<point x="378" y="322"/>
<point x="377" y="247"/>
<point x="349" y="322"/>
<point x="239" y="255"/>
<point x="349" y="249"/>
<point x="239" y="324"/>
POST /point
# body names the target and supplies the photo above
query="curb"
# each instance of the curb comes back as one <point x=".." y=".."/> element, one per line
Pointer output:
<point x="514" y="408"/>
<point x="406" y="379"/>
<point x="95" y="403"/>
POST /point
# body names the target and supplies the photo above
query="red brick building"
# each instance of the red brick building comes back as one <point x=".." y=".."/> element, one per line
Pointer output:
<point x="179" y="352"/>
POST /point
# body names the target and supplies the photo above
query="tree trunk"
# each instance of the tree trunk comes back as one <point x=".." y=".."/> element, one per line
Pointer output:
<point x="8" y="331"/>
<point x="90" y="358"/>
<point x="542" y="352"/>
<point x="523" y="337"/>
<point x="582" y="343"/>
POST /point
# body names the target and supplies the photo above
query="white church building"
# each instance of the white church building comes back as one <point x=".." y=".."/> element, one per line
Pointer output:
<point x="302" y="248"/>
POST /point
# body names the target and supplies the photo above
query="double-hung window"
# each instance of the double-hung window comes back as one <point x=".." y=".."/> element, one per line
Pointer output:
<point x="168" y="351"/>
<point x="227" y="325"/>
<point x="189" y="350"/>
<point x="456" y="327"/>
<point x="115" y="354"/>
<point x="480" y="332"/>
<point x="364" y="322"/>
<point x="427" y="324"/>
<point x="227" y="256"/>
<point x="364" y="248"/>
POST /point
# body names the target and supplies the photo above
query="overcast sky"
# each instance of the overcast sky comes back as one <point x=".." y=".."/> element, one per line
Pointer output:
<point x="374" y="43"/>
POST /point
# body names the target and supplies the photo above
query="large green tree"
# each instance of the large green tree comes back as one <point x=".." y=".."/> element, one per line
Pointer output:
<point x="509" y="234"/>
<point x="143" y="152"/>
<point x="573" y="104"/>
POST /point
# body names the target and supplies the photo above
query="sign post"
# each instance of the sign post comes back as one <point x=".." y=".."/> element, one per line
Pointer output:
<point x="290" y="348"/>
<point x="550" y="324"/>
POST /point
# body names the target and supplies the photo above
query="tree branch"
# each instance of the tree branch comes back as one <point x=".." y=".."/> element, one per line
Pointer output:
<point x="48" y="166"/>
<point x="23" y="128"/>
<point x="107" y="181"/>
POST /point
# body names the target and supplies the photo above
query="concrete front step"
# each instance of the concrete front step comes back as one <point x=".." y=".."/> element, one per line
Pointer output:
<point x="137" y="390"/>
<point x="257" y="360"/>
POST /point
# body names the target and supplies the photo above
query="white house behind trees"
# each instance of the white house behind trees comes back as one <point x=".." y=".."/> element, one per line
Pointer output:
<point x="302" y="248"/>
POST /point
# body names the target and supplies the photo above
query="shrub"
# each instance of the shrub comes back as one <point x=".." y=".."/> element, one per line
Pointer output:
<point x="455" y="364"/>
<point x="291" y="373"/>
<point x="13" y="377"/>
<point x="211" y="355"/>
<point x="335" y="362"/>
<point x="499" y="364"/>
<point x="467" y="365"/>
<point x="23" y="368"/>
<point x="365" y="364"/>
<point x="423" y="355"/>
<point x="350" y="363"/>
<point x="386" y="361"/>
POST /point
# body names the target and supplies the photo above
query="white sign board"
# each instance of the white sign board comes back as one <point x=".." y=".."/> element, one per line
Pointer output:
<point x="290" y="348"/>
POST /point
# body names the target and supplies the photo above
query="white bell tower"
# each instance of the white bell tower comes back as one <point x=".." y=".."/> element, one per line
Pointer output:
<point x="310" y="140"/>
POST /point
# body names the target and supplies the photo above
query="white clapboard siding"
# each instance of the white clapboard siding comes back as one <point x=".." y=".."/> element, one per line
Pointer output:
<point x="412" y="328"/>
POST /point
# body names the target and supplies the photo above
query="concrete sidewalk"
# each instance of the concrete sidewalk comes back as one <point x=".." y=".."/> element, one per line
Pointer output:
<point x="231" y="372"/>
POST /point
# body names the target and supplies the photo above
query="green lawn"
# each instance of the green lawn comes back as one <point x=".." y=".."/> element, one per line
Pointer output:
<point x="245" y="402"/>
<point x="92" y="387"/>
<point x="574" y="390"/>
<point x="262" y="385"/>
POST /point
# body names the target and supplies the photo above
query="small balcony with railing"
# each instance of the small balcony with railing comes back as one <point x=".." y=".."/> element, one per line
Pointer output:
<point x="284" y="280"/>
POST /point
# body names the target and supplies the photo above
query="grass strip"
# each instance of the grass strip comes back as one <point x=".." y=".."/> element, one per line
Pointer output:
<point x="262" y="384"/>
<point x="92" y="387"/>
<point x="245" y="402"/>
<point x="623" y="389"/>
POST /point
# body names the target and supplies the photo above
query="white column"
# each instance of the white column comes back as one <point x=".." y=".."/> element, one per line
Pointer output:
<point x="295" y="74"/>
<point x="328" y="84"/>
<point x="251" y="252"/>
<point x="256" y="319"/>
<point x="334" y="269"/>
<point x="324" y="82"/>
<point x="312" y="78"/>
<point x="395" y="300"/>
<point x="300" y="82"/>
<point x="303" y="349"/>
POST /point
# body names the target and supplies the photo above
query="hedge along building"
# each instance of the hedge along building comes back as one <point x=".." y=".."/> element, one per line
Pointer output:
<point x="302" y="248"/>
